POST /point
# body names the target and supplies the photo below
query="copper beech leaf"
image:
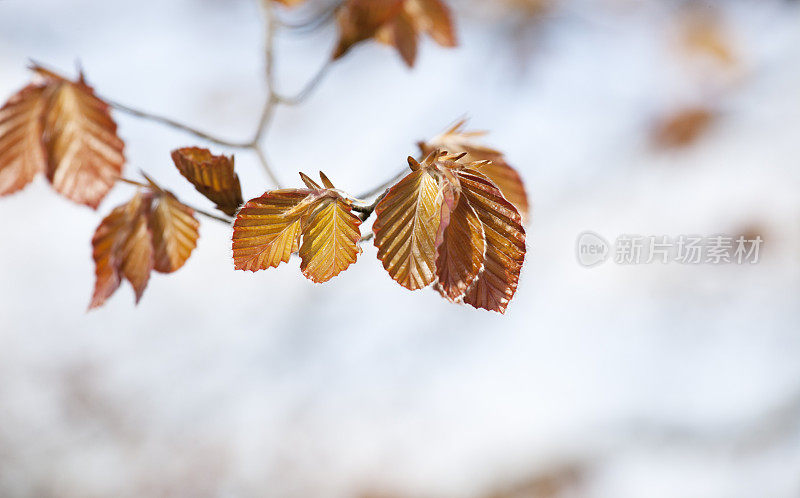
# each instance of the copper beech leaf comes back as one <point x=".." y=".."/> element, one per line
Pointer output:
<point x="330" y="240"/>
<point x="270" y="228"/>
<point x="407" y="221"/>
<point x="461" y="250"/>
<point x="21" y="149"/>
<point x="457" y="139"/>
<point x="60" y="127"/>
<point x="394" y="22"/>
<point x="468" y="238"/>
<point x="213" y="176"/>
<point x="175" y="233"/>
<point x="151" y="231"/>
<point x="505" y="244"/>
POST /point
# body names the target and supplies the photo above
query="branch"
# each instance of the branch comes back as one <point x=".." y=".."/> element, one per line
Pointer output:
<point x="152" y="187"/>
<point x="385" y="185"/>
<point x="177" y="125"/>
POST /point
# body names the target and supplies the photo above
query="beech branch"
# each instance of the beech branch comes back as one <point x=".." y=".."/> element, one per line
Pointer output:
<point x="273" y="100"/>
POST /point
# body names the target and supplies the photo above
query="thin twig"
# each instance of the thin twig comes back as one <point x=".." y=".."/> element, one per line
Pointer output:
<point x="227" y="221"/>
<point x="312" y="84"/>
<point x="316" y="21"/>
<point x="177" y="125"/>
<point x="262" y="158"/>
<point x="383" y="186"/>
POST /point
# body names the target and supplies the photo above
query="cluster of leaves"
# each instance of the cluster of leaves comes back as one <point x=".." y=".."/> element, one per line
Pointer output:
<point x="448" y="223"/>
<point x="455" y="222"/>
<point x="60" y="128"/>
<point x="397" y="23"/>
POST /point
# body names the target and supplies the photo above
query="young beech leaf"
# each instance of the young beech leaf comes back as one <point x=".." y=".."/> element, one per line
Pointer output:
<point x="21" y="149"/>
<point x="213" y="176"/>
<point x="461" y="251"/>
<point x="84" y="153"/>
<point x="407" y="221"/>
<point x="394" y="22"/>
<point x="456" y="139"/>
<point x="268" y="229"/>
<point x="151" y="231"/>
<point x="448" y="223"/>
<point x="175" y="233"/>
<point x="109" y="243"/>
<point x="330" y="240"/>
<point x="61" y="128"/>
<point x="505" y="243"/>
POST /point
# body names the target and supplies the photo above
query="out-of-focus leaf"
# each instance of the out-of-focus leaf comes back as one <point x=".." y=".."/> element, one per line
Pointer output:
<point x="84" y="153"/>
<point x="290" y="3"/>
<point x="395" y="22"/>
<point x="703" y="33"/>
<point x="109" y="246"/>
<point x="21" y="149"/>
<point x="151" y="231"/>
<point x="507" y="179"/>
<point x="505" y="244"/>
<point x="434" y="18"/>
<point x="330" y="240"/>
<point x="683" y="127"/>
<point x="175" y="233"/>
<point x="136" y="255"/>
<point x="461" y="252"/>
<point x="268" y="229"/>
<point x="61" y="128"/>
<point x="213" y="176"/>
<point x="406" y="224"/>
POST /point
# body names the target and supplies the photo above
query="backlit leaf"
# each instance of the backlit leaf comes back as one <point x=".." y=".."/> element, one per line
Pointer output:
<point x="267" y="229"/>
<point x="84" y="152"/>
<point x="460" y="254"/>
<point x="21" y="149"/>
<point x="330" y="240"/>
<point x="175" y="233"/>
<point x="111" y="245"/>
<point x="136" y="254"/>
<point x="406" y="224"/>
<point x="507" y="179"/>
<point x="505" y="244"/>
<point x="213" y="176"/>
<point x="151" y="231"/>
<point x="395" y="22"/>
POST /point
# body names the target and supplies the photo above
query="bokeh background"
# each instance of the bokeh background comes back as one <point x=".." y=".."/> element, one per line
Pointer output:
<point x="616" y="381"/>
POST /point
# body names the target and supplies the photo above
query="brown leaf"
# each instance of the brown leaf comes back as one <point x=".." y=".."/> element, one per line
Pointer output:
<point x="21" y="149"/>
<point x="407" y="221"/>
<point x="683" y="127"/>
<point x="175" y="233"/>
<point x="267" y="229"/>
<point x="137" y="237"/>
<point x="395" y="22"/>
<point x="505" y="244"/>
<point x="330" y="240"/>
<point x="84" y="152"/>
<point x="507" y="179"/>
<point x="213" y="176"/>
<point x="119" y="235"/>
<point x="136" y="254"/>
<point x="434" y="18"/>
<point x="461" y="251"/>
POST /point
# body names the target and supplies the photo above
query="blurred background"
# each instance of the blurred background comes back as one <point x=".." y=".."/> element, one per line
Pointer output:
<point x="650" y="117"/>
